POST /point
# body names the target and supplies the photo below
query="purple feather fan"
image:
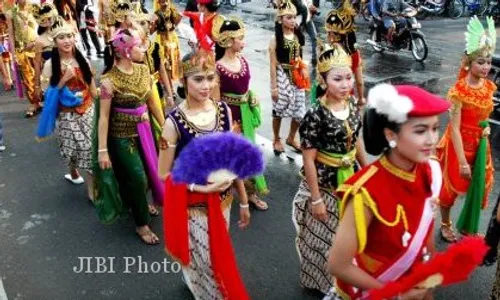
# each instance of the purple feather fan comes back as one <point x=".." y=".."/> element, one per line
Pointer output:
<point x="218" y="157"/>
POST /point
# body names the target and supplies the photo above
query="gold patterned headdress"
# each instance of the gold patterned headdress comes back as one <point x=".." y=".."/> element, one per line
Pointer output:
<point x="201" y="60"/>
<point x="61" y="27"/>
<point x="224" y="30"/>
<point x="332" y="57"/>
<point x="44" y="11"/>
<point x="121" y="9"/>
<point x="341" y="20"/>
<point x="286" y="8"/>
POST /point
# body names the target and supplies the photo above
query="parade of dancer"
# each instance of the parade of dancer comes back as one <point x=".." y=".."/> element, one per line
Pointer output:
<point x="46" y="17"/>
<point x="167" y="18"/>
<point x="125" y="139"/>
<point x="330" y="146"/>
<point x="197" y="116"/>
<point x="5" y="68"/>
<point x="289" y="75"/>
<point x="339" y="25"/>
<point x="234" y="89"/>
<point x="384" y="233"/>
<point x="69" y="90"/>
<point x="22" y="37"/>
<point x="472" y="103"/>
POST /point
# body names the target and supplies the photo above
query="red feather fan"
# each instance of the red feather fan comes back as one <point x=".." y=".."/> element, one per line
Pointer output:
<point x="201" y="30"/>
<point x="449" y="267"/>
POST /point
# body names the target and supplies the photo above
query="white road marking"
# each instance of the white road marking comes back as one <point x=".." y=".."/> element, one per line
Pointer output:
<point x="3" y="295"/>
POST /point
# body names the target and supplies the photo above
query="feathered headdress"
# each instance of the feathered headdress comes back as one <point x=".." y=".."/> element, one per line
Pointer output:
<point x="123" y="43"/>
<point x="479" y="40"/>
<point x="332" y="57"/>
<point x="224" y="29"/>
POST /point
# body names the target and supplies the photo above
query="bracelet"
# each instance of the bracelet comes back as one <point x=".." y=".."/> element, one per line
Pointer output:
<point x="244" y="205"/>
<point x="464" y="166"/>
<point x="191" y="187"/>
<point x="317" y="201"/>
<point x="274" y="90"/>
<point x="102" y="150"/>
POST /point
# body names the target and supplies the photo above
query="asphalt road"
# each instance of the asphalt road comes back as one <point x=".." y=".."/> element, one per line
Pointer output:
<point x="47" y="225"/>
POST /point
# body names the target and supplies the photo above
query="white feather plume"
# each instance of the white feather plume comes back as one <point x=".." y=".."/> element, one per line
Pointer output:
<point x="386" y="100"/>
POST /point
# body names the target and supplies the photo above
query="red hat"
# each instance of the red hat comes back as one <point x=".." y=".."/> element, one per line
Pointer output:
<point x="398" y="102"/>
<point x="204" y="2"/>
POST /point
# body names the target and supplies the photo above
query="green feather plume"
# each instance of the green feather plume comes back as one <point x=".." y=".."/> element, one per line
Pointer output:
<point x="474" y="35"/>
<point x="492" y="33"/>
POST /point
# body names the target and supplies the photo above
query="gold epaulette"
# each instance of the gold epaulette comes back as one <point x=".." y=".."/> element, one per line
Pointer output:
<point x="361" y="198"/>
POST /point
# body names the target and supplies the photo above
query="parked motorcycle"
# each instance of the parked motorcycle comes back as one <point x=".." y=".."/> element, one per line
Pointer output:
<point x="410" y="37"/>
<point x="454" y="8"/>
<point x="493" y="11"/>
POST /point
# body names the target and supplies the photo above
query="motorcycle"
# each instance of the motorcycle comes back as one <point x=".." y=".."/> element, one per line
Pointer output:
<point x="409" y="37"/>
<point x="454" y="8"/>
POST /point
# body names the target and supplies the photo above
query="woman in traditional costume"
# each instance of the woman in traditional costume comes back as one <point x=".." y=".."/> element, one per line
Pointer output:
<point x="167" y="19"/>
<point x="384" y="232"/>
<point x="459" y="149"/>
<point x="125" y="138"/>
<point x="203" y="21"/>
<point x="67" y="9"/>
<point x="5" y="70"/>
<point x="106" y="19"/>
<point x="289" y="75"/>
<point x="339" y="26"/>
<point x="329" y="139"/>
<point x="69" y="89"/>
<point x="154" y="58"/>
<point x="22" y="36"/>
<point x="234" y="89"/>
<point x="46" y="17"/>
<point x="198" y="116"/>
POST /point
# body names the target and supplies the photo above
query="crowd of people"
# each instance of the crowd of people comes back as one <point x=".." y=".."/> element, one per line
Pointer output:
<point x="123" y="134"/>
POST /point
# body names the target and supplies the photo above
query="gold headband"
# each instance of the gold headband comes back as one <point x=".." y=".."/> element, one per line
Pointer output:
<point x="198" y="63"/>
<point x="332" y="57"/>
<point x="224" y="39"/>
<point x="40" y="17"/>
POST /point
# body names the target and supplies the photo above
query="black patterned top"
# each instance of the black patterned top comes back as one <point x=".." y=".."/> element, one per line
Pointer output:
<point x="321" y="130"/>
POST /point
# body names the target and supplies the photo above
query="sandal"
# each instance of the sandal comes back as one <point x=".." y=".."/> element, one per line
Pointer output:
<point x="153" y="211"/>
<point x="278" y="147"/>
<point x="447" y="233"/>
<point x="257" y="203"/>
<point x="294" y="145"/>
<point x="148" y="237"/>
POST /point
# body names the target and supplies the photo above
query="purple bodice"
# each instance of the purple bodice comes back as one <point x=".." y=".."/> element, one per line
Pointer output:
<point x="234" y="83"/>
<point x="188" y="131"/>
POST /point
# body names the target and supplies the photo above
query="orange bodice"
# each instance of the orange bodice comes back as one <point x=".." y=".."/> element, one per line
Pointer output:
<point x="78" y="84"/>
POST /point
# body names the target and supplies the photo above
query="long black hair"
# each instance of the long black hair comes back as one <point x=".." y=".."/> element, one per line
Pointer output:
<point x="281" y="52"/>
<point x="231" y="25"/>
<point x="373" y="131"/>
<point x="56" y="67"/>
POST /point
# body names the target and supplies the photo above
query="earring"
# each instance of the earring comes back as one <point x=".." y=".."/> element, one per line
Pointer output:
<point x="466" y="68"/>
<point x="392" y="144"/>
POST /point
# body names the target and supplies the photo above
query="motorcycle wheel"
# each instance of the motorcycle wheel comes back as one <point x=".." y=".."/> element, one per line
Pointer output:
<point x="374" y="38"/>
<point x="456" y="9"/>
<point x="419" y="52"/>
<point x="233" y="3"/>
